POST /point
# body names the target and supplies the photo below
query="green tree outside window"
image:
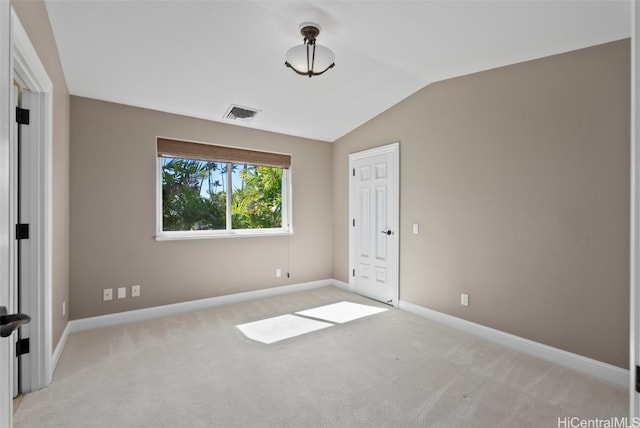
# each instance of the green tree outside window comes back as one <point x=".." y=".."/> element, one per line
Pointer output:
<point x="194" y="195"/>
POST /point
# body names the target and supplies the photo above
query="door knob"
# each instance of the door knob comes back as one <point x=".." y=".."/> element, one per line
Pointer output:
<point x="386" y="232"/>
<point x="9" y="323"/>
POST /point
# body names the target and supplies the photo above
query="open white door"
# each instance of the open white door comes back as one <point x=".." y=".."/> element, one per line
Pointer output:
<point x="373" y="238"/>
<point x="29" y="275"/>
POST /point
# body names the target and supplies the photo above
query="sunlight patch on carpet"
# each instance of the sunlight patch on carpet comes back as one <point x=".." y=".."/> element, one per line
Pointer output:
<point x="274" y="329"/>
<point x="341" y="312"/>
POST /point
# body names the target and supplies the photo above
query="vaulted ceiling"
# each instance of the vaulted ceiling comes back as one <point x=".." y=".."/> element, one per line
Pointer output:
<point x="196" y="58"/>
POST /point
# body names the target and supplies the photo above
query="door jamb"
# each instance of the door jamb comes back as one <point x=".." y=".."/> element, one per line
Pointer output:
<point x="388" y="148"/>
<point x="28" y="69"/>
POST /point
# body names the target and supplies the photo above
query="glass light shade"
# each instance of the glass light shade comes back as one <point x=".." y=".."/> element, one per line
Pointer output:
<point x="296" y="58"/>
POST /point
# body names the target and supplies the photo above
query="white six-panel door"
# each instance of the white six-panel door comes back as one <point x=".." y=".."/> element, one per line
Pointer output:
<point x="374" y="223"/>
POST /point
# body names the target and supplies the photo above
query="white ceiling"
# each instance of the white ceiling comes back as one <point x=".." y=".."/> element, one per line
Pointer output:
<point x="195" y="58"/>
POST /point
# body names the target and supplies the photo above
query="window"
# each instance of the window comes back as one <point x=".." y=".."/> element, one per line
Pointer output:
<point x="207" y="191"/>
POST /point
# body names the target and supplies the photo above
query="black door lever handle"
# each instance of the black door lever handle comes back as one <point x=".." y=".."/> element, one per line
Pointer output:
<point x="9" y="323"/>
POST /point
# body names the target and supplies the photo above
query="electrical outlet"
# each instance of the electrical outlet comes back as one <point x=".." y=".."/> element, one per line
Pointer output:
<point x="464" y="299"/>
<point x="107" y="294"/>
<point x="135" y="291"/>
<point x="122" y="292"/>
<point x="278" y="273"/>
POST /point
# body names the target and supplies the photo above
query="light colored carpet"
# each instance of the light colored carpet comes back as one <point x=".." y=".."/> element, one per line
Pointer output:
<point x="392" y="369"/>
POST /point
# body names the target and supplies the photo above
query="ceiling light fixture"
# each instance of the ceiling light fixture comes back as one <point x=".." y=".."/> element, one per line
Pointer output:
<point x="309" y="59"/>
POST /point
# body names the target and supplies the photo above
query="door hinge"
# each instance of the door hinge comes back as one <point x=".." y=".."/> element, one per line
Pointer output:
<point x="22" y="346"/>
<point x="637" y="378"/>
<point x="354" y="222"/>
<point x="354" y="273"/>
<point x="354" y="172"/>
<point x="22" y="116"/>
<point x="22" y="231"/>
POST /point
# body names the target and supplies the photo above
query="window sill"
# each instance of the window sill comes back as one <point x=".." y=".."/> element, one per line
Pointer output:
<point x="209" y="234"/>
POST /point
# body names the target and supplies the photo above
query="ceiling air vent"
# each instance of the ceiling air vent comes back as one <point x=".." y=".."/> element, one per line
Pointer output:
<point x="240" y="114"/>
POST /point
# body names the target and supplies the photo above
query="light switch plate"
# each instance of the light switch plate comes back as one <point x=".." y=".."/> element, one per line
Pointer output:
<point x="464" y="299"/>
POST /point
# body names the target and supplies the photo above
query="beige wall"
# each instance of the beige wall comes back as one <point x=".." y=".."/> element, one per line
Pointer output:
<point x="519" y="179"/>
<point x="34" y="18"/>
<point x="113" y="214"/>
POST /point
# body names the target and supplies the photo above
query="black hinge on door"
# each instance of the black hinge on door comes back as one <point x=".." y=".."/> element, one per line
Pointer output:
<point x="22" y="116"/>
<point x="22" y="231"/>
<point x="354" y="273"/>
<point x="354" y="222"/>
<point x="22" y="346"/>
<point x="354" y="172"/>
<point x="637" y="378"/>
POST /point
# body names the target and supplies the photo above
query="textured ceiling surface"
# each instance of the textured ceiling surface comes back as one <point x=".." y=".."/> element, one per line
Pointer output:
<point x="196" y="58"/>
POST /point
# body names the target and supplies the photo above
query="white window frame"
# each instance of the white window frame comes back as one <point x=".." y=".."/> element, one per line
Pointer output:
<point x="286" y="229"/>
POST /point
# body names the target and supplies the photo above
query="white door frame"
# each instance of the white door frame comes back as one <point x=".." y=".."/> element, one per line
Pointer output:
<point x="19" y="61"/>
<point x="634" y="340"/>
<point x="36" y="300"/>
<point x="389" y="148"/>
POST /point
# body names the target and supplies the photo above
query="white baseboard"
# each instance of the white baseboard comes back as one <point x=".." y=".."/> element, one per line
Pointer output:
<point x="340" y="284"/>
<point x="194" y="305"/>
<point x="607" y="372"/>
<point x="57" y="353"/>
